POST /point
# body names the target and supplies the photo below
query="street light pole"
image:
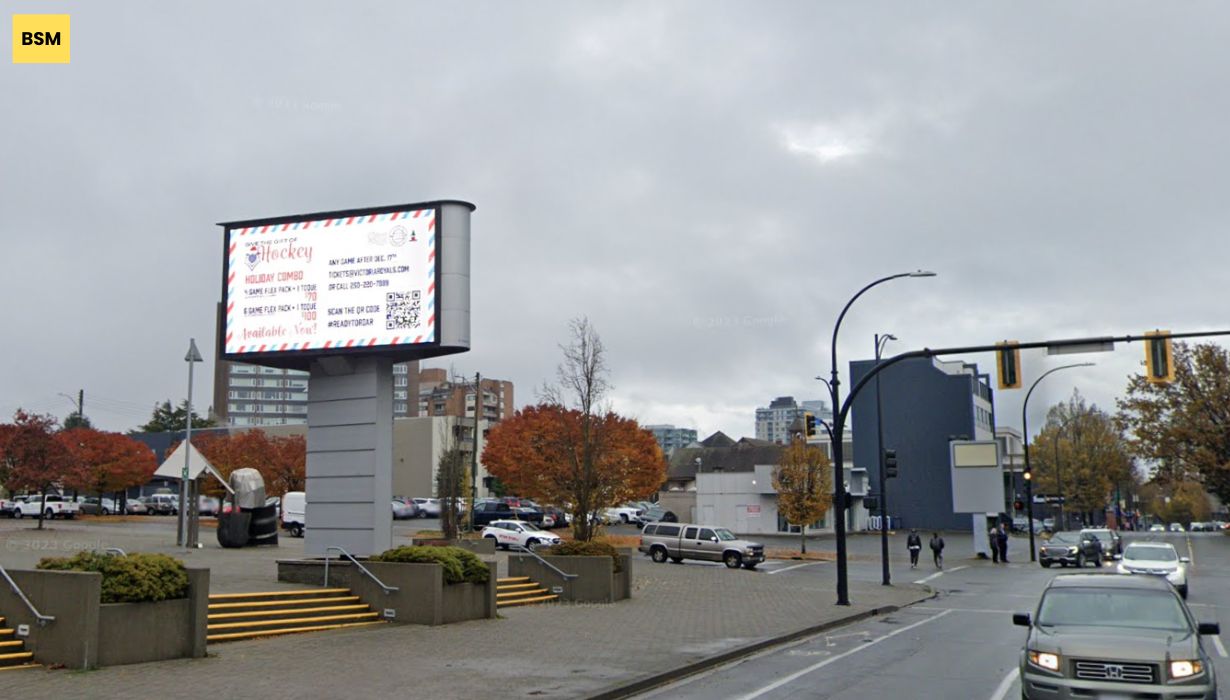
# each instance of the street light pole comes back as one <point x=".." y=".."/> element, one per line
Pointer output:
<point x="886" y="579"/>
<point x="184" y="538"/>
<point x="1029" y="490"/>
<point x="839" y="474"/>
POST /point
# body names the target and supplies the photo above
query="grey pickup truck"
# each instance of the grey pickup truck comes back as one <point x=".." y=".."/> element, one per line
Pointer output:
<point x="679" y="541"/>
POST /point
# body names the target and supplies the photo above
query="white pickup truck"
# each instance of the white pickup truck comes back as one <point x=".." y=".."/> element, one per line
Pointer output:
<point x="55" y="507"/>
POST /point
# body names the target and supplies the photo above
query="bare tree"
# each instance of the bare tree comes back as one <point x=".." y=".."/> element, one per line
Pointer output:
<point x="452" y="479"/>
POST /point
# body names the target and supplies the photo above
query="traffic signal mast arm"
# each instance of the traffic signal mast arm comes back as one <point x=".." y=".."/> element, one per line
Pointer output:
<point x="839" y="416"/>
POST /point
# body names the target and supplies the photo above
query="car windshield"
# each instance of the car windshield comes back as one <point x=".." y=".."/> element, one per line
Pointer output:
<point x="724" y="534"/>
<point x="529" y="526"/>
<point x="1064" y="538"/>
<point x="1109" y="607"/>
<point x="1139" y="553"/>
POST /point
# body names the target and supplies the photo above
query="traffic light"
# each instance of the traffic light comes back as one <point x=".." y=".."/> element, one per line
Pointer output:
<point x="809" y="423"/>
<point x="1159" y="357"/>
<point x="1008" y="360"/>
<point x="1018" y="504"/>
<point x="1028" y="475"/>
<point x="890" y="464"/>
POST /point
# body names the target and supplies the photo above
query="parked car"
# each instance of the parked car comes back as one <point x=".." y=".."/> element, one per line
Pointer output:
<point x="134" y="506"/>
<point x="404" y="511"/>
<point x="1048" y="524"/>
<point x="1112" y="543"/>
<point x="428" y="507"/>
<point x="623" y="514"/>
<point x="8" y="506"/>
<point x="93" y="505"/>
<point x="1177" y="527"/>
<point x="294" y="512"/>
<point x="558" y="517"/>
<point x="679" y="541"/>
<point x="1070" y="549"/>
<point x="515" y="532"/>
<point x="1114" y="636"/>
<point x="1157" y="559"/>
<point x="1157" y="527"/>
<point x="208" y="505"/>
<point x="162" y="504"/>
<point x="55" y="507"/>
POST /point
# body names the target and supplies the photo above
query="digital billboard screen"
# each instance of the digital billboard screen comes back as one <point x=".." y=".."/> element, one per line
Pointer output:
<point x="364" y="280"/>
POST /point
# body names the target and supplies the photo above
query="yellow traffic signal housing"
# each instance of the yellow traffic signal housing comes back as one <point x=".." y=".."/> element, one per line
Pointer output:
<point x="809" y="423"/>
<point x="1159" y="357"/>
<point x="1008" y="361"/>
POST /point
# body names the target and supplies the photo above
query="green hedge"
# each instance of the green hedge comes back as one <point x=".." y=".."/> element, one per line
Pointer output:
<point x="460" y="565"/>
<point x="587" y="549"/>
<point x="135" y="578"/>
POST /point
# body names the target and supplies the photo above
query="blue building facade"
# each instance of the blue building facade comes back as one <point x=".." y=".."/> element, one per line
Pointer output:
<point x="925" y="403"/>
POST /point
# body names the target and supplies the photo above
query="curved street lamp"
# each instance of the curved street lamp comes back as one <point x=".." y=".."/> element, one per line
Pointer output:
<point x="1029" y="484"/>
<point x="886" y="579"/>
<point x="839" y="490"/>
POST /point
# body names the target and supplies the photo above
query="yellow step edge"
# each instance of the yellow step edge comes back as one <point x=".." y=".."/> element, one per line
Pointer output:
<point x="272" y="603"/>
<point x="266" y="594"/>
<point x="292" y="621"/>
<point x="521" y="594"/>
<point x="513" y="579"/>
<point x="4" y="631"/>
<point x="19" y="655"/>
<point x="294" y="611"/>
<point x="20" y="667"/>
<point x="289" y="630"/>
<point x="15" y="643"/>
<point x="526" y="601"/>
<point x="515" y="586"/>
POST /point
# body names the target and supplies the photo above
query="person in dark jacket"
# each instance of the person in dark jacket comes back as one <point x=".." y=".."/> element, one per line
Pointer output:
<point x="937" y="550"/>
<point x="1001" y="542"/>
<point x="914" y="544"/>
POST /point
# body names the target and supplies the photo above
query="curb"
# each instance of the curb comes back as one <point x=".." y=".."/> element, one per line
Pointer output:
<point x="662" y="678"/>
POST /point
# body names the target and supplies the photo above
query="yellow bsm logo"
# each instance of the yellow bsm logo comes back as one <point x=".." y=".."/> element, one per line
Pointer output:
<point x="40" y="39"/>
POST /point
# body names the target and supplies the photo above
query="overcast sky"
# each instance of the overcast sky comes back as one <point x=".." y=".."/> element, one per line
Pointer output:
<point x="708" y="182"/>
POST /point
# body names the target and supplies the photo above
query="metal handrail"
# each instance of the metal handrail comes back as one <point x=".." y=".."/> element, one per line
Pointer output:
<point x="544" y="562"/>
<point x="42" y="619"/>
<point x="387" y="589"/>
<point x="115" y="550"/>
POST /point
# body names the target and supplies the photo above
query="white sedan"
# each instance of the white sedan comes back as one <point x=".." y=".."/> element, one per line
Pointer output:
<point x="516" y="532"/>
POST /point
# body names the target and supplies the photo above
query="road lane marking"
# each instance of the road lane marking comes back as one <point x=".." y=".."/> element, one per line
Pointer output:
<point x="1221" y="648"/>
<point x="796" y="566"/>
<point x="821" y="664"/>
<point x="941" y="573"/>
<point x="969" y="610"/>
<point x="1005" y="685"/>
<point x="1191" y="553"/>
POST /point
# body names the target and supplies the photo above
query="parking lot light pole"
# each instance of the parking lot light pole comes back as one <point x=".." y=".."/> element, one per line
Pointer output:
<point x="839" y="474"/>
<point x="886" y="579"/>
<point x="185" y="539"/>
<point x="1029" y="491"/>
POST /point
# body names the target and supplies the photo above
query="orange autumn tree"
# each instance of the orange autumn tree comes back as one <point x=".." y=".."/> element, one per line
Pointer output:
<point x="106" y="463"/>
<point x="570" y="450"/>
<point x="542" y="453"/>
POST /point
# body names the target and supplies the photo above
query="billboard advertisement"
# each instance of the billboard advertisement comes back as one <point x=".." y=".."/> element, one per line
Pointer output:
<point x="359" y="281"/>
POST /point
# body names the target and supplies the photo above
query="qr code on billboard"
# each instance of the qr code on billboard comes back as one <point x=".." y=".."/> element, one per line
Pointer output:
<point x="401" y="310"/>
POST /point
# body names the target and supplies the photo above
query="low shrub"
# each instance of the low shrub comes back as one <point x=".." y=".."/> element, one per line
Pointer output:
<point x="587" y="549"/>
<point x="460" y="565"/>
<point x="135" y="578"/>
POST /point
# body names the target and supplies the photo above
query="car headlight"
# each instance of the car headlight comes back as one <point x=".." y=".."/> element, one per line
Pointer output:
<point x="1071" y="550"/>
<point x="1185" y="669"/>
<point x="1044" y="660"/>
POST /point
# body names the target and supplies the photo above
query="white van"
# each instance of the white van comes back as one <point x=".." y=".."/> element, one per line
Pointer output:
<point x="294" y="512"/>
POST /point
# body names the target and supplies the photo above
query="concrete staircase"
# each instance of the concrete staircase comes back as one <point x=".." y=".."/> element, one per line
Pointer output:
<point x="234" y="616"/>
<point x="13" y="654"/>
<point x="520" y="590"/>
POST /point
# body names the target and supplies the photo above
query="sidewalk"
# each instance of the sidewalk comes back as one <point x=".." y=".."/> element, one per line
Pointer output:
<point x="679" y="615"/>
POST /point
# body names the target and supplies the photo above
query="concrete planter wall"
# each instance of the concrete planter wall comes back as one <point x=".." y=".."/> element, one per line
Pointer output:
<point x="422" y="597"/>
<point x="595" y="582"/>
<point x="87" y="634"/>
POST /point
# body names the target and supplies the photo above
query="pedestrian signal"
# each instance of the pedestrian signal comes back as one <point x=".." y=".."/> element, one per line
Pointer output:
<point x="1008" y="360"/>
<point x="1159" y="357"/>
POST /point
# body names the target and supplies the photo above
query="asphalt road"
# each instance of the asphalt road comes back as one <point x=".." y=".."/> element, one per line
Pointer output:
<point x="962" y="644"/>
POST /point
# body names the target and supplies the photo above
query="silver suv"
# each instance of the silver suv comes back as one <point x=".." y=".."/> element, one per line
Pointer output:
<point x="679" y="541"/>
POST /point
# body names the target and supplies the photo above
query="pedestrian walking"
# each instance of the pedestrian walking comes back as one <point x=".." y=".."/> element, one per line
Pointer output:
<point x="937" y="550"/>
<point x="1002" y="542"/>
<point x="993" y="540"/>
<point x="914" y="544"/>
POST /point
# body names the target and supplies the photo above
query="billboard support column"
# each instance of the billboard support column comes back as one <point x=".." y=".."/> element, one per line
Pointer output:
<point x="350" y="455"/>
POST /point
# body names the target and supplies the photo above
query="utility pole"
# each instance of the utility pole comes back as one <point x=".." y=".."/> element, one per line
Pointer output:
<point x="474" y="453"/>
